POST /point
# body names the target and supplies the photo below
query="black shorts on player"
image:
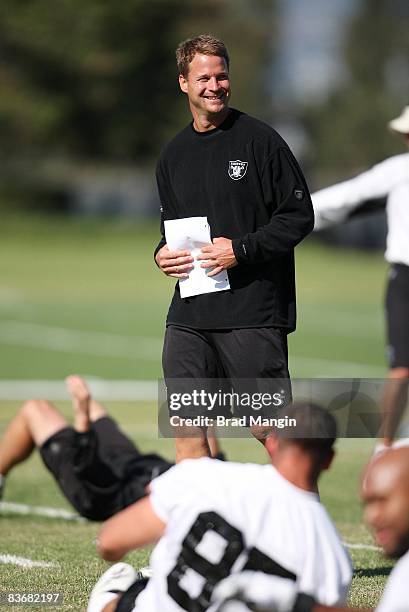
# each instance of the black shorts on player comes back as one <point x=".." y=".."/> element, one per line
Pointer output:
<point x="397" y="314"/>
<point x="246" y="361"/>
<point x="101" y="471"/>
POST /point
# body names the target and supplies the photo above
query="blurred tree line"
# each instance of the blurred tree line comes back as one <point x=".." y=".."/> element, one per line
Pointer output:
<point x="91" y="79"/>
<point x="94" y="84"/>
<point x="348" y="132"/>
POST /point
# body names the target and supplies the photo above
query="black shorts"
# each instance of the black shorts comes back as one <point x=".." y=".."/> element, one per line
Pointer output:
<point x="397" y="316"/>
<point x="247" y="360"/>
<point x="100" y="472"/>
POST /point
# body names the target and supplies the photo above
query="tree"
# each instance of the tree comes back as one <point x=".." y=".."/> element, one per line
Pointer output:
<point x="97" y="80"/>
<point x="348" y="131"/>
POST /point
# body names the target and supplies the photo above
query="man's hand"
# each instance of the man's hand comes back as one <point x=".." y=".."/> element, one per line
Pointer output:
<point x="218" y="256"/>
<point x="174" y="263"/>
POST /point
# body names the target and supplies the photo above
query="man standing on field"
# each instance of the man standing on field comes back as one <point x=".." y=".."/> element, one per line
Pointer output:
<point x="241" y="175"/>
<point x="390" y="179"/>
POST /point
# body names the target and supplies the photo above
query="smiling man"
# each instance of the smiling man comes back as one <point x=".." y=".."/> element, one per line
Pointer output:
<point x="241" y="175"/>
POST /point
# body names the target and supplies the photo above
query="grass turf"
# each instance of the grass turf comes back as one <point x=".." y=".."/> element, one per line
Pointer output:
<point x="71" y="545"/>
<point x="97" y="285"/>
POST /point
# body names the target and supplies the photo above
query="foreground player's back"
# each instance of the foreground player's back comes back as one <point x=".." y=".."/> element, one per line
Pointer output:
<point x="225" y="517"/>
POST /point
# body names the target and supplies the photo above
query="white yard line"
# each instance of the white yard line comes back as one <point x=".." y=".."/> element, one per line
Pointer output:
<point x="26" y="510"/>
<point x="104" y="390"/>
<point x="45" y="511"/>
<point x="66" y="340"/>
<point x="362" y="547"/>
<point x="319" y="368"/>
<point x="144" y="348"/>
<point x="26" y="563"/>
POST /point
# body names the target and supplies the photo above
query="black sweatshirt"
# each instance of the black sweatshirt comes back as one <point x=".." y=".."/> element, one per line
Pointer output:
<point x="262" y="204"/>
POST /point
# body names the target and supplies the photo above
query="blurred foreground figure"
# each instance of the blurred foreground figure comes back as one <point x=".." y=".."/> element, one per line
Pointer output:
<point x="333" y="205"/>
<point x="213" y="519"/>
<point x="99" y="470"/>
<point x="385" y="494"/>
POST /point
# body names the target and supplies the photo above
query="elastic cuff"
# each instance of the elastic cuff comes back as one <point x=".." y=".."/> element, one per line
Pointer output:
<point x="240" y="250"/>
<point x="304" y="603"/>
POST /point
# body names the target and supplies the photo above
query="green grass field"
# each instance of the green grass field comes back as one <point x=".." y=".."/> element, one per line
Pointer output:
<point x="86" y="297"/>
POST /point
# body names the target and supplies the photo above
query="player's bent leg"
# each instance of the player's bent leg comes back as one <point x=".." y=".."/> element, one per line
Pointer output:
<point x="265" y="374"/>
<point x="260" y="433"/>
<point x="395" y="397"/>
<point x="35" y="422"/>
<point x="43" y="420"/>
<point x="192" y="447"/>
<point x="188" y="360"/>
<point x="86" y="409"/>
<point x="96" y="411"/>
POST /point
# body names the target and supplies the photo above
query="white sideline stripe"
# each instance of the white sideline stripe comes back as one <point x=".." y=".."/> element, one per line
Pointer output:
<point x="104" y="390"/>
<point x="362" y="546"/>
<point x="62" y="339"/>
<point x="351" y="368"/>
<point x="26" y="563"/>
<point x="27" y="510"/>
<point x="67" y="340"/>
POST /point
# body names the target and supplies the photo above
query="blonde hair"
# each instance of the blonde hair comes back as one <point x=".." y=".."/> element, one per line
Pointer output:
<point x="206" y="44"/>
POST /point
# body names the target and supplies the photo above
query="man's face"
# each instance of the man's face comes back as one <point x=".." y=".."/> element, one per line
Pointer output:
<point x="207" y="85"/>
<point x="386" y="500"/>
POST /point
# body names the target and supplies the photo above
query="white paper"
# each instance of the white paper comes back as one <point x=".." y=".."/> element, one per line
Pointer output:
<point x="191" y="234"/>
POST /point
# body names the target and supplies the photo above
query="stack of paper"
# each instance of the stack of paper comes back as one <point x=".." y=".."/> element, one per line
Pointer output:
<point x="191" y="234"/>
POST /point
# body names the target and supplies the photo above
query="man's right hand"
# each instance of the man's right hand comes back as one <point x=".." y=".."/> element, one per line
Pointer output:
<point x="174" y="263"/>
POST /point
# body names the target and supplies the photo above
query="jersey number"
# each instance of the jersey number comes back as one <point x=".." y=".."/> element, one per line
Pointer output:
<point x="213" y="573"/>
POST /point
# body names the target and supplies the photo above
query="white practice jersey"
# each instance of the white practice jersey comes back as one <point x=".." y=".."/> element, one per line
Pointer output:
<point x="224" y="517"/>
<point x="396" y="594"/>
<point x="390" y="178"/>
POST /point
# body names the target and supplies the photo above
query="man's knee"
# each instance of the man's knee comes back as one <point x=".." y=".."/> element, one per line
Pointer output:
<point x="42" y="419"/>
<point x="35" y="408"/>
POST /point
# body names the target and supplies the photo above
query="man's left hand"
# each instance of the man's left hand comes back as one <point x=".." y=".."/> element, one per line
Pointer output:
<point x="218" y="255"/>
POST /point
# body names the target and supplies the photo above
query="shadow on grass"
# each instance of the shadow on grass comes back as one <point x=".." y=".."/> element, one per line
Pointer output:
<point x="372" y="572"/>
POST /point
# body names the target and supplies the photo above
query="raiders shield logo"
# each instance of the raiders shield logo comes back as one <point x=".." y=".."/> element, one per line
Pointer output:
<point x="237" y="169"/>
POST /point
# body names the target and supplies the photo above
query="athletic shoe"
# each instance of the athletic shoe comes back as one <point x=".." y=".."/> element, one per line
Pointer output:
<point x="117" y="579"/>
<point x="144" y="573"/>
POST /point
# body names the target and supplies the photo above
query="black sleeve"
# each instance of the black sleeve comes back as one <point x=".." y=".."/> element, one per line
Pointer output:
<point x="162" y="190"/>
<point x="162" y="241"/>
<point x="287" y="194"/>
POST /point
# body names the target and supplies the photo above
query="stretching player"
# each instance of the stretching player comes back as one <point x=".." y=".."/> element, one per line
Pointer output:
<point x="213" y="519"/>
<point x="385" y="493"/>
<point x="99" y="470"/>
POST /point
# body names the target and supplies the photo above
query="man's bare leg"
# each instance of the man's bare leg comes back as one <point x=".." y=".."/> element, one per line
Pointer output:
<point x="213" y="442"/>
<point x="35" y="422"/>
<point x="261" y="433"/>
<point x="395" y="397"/>
<point x="191" y="447"/>
<point x="86" y="410"/>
